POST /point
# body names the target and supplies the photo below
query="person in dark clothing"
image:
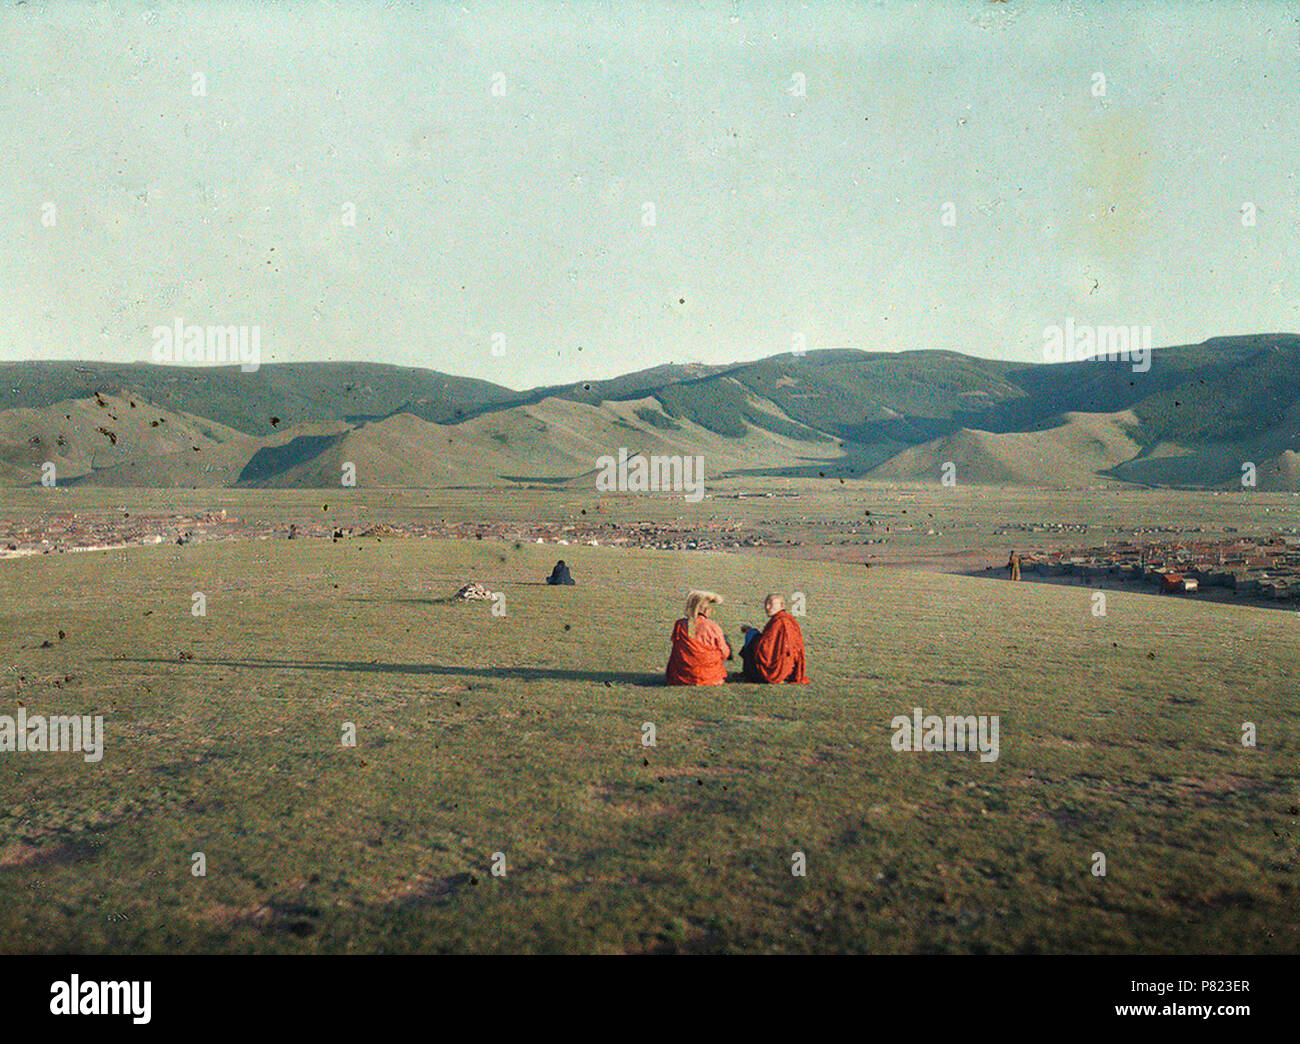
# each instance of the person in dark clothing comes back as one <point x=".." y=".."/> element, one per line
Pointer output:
<point x="752" y="634"/>
<point x="560" y="576"/>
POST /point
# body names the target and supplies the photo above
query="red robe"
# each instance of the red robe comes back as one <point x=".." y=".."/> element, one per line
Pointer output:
<point x="698" y="660"/>
<point x="778" y="652"/>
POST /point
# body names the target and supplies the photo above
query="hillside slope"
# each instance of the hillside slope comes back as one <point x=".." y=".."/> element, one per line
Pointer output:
<point x="1193" y="419"/>
<point x="554" y="440"/>
<point x="1073" y="453"/>
<point x="106" y="435"/>
<point x="276" y="395"/>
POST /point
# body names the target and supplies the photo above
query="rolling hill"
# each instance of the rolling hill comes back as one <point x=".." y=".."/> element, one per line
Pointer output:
<point x="554" y="440"/>
<point x="116" y="439"/>
<point x="1194" y="419"/>
<point x="278" y="394"/>
<point x="1076" y="452"/>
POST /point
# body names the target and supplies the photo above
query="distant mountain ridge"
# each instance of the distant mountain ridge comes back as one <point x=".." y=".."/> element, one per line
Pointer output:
<point x="1198" y="417"/>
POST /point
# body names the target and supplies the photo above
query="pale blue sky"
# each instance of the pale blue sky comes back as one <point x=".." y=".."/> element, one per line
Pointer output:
<point x="775" y="215"/>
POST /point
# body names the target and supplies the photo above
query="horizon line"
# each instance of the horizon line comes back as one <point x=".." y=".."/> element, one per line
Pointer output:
<point x="715" y="367"/>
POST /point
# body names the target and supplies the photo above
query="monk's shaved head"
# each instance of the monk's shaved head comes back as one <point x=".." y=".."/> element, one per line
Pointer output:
<point x="774" y="603"/>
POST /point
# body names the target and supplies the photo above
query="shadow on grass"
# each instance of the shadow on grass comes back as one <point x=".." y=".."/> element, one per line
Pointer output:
<point x="375" y="667"/>
<point x="407" y="601"/>
<point x="449" y="599"/>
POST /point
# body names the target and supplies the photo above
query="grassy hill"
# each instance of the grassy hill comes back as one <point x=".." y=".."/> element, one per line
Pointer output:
<point x="520" y="734"/>
<point x="1192" y="420"/>
<point x="110" y="437"/>
<point x="276" y="396"/>
<point x="554" y="439"/>
<point x="1073" y="453"/>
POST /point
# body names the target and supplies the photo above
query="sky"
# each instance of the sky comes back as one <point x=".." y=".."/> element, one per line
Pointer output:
<point x="536" y="194"/>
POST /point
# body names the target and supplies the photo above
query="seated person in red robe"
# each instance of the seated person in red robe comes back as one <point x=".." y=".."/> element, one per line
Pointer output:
<point x="776" y="654"/>
<point x="699" y="646"/>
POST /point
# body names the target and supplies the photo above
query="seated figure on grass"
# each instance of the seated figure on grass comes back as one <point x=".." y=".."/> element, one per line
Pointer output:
<point x="560" y="575"/>
<point x="699" y="646"/>
<point x="776" y="653"/>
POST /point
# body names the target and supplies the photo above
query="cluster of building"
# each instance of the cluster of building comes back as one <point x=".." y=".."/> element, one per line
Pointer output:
<point x="710" y="536"/>
<point x="662" y="536"/>
<point x="1261" y="568"/>
<point x="74" y="531"/>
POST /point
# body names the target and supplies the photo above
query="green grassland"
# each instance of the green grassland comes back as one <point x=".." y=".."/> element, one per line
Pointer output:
<point x="521" y="734"/>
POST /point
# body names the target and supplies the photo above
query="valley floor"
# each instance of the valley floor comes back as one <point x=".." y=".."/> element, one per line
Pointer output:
<point x="515" y="740"/>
